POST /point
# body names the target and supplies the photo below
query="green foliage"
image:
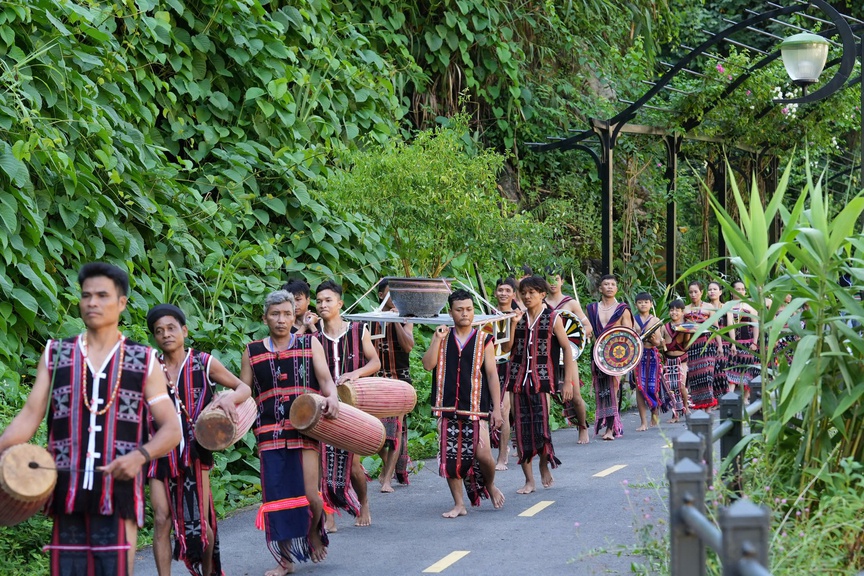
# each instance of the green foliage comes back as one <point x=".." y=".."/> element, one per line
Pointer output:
<point x="437" y="198"/>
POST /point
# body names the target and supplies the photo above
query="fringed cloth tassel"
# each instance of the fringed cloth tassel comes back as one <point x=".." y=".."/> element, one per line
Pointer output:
<point x="456" y="457"/>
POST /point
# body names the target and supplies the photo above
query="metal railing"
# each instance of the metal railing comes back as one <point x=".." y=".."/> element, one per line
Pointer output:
<point x="741" y="537"/>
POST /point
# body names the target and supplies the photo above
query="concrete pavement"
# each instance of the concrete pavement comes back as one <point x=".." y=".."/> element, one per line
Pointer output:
<point x="586" y="523"/>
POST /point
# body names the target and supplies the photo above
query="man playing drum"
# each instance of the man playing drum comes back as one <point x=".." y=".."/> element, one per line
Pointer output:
<point x="280" y="368"/>
<point x="350" y="354"/>
<point x="180" y="482"/>
<point x="98" y="383"/>
<point x="465" y="397"/>
<point x="535" y="347"/>
<point x="604" y="315"/>
<point x="394" y="347"/>
<point x="557" y="300"/>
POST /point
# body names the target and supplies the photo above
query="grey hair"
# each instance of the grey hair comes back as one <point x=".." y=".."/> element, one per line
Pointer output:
<point x="278" y="297"/>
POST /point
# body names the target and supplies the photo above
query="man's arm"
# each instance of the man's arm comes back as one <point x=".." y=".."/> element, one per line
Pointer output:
<point x="372" y="365"/>
<point x="24" y="425"/>
<point x="430" y="358"/>
<point x="405" y="335"/>
<point x="491" y="368"/>
<point x="507" y="346"/>
<point x="167" y="434"/>
<point x="325" y="380"/>
<point x="571" y="375"/>
<point x="241" y="391"/>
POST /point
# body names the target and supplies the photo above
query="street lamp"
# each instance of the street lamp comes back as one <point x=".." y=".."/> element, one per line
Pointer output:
<point x="804" y="56"/>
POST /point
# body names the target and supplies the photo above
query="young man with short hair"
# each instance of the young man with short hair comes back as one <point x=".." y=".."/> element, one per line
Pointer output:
<point x="647" y="376"/>
<point x="505" y="292"/>
<point x="305" y="321"/>
<point x="96" y="388"/>
<point x="180" y="481"/>
<point x="535" y="346"/>
<point x="675" y="345"/>
<point x="603" y="316"/>
<point x="574" y="410"/>
<point x="350" y="354"/>
<point x="465" y="397"/>
<point x="280" y="368"/>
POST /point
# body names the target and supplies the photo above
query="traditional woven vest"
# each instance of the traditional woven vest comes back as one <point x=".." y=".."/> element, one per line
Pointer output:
<point x="81" y="441"/>
<point x="278" y="378"/>
<point x="535" y="353"/>
<point x="459" y="386"/>
<point x="395" y="362"/>
<point x="194" y="391"/>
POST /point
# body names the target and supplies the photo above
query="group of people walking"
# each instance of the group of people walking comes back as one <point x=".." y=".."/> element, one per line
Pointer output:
<point x="119" y="411"/>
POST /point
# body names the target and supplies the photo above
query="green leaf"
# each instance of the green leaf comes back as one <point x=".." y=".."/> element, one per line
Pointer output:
<point x="433" y="41"/>
<point x="254" y="92"/>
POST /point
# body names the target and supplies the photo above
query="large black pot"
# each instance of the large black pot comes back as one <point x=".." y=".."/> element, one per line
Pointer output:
<point x="421" y="297"/>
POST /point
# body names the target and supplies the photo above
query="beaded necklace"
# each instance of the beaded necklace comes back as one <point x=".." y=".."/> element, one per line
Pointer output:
<point x="113" y="393"/>
<point x="175" y="390"/>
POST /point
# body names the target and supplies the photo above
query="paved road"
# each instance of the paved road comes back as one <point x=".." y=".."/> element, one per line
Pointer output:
<point x="578" y="526"/>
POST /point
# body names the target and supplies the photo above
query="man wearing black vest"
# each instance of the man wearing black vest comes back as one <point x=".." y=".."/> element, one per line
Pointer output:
<point x="98" y="383"/>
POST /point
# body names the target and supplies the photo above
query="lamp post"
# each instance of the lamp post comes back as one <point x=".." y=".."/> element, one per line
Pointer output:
<point x="804" y="56"/>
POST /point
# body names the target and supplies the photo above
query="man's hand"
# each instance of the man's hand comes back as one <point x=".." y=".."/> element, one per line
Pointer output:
<point x="495" y="420"/>
<point x="125" y="467"/>
<point x="331" y="407"/>
<point x="567" y="392"/>
<point x="310" y="319"/>
<point x="347" y="377"/>
<point x="228" y="405"/>
<point x="586" y="325"/>
<point x="441" y="332"/>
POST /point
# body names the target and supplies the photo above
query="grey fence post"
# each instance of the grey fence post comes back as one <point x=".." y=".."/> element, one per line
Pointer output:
<point x="687" y="445"/>
<point x="686" y="486"/>
<point x="732" y="408"/>
<point x="746" y="528"/>
<point x="699" y="422"/>
<point x="756" y="394"/>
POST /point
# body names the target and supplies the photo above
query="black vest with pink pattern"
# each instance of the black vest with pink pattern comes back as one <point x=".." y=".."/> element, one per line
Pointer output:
<point x="81" y="441"/>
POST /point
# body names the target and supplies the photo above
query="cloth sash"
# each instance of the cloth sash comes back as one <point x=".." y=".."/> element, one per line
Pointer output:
<point x="648" y="375"/>
<point x="85" y="544"/>
<point x="457" y="456"/>
<point x="285" y="514"/>
<point x="533" y="435"/>
<point x="186" y="499"/>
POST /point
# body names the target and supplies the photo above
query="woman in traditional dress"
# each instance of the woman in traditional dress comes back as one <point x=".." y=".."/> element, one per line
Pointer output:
<point x="675" y="350"/>
<point x="721" y="380"/>
<point x="743" y="362"/>
<point x="702" y="352"/>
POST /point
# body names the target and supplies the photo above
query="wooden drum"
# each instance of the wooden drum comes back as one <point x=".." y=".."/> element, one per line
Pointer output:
<point x="354" y="430"/>
<point x="27" y="478"/>
<point x="380" y="397"/>
<point x="214" y="429"/>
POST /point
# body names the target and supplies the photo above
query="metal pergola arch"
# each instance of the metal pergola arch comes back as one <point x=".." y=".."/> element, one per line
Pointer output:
<point x="608" y="131"/>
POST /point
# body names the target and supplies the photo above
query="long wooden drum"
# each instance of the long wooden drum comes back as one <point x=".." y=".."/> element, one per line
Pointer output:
<point x="215" y="430"/>
<point x="380" y="397"/>
<point x="353" y="430"/>
<point x="27" y="478"/>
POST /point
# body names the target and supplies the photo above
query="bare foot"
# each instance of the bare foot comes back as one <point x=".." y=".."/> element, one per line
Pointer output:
<point x="365" y="518"/>
<point x="655" y="420"/>
<point x="455" y="512"/>
<point x="528" y="488"/>
<point x="641" y="428"/>
<point x="317" y="550"/>
<point x="281" y="570"/>
<point x="497" y="498"/>
<point x="609" y="435"/>
<point x="546" y="478"/>
<point x="501" y="465"/>
<point x="330" y="524"/>
<point x="583" y="436"/>
<point x="386" y="487"/>
<point x="673" y="420"/>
